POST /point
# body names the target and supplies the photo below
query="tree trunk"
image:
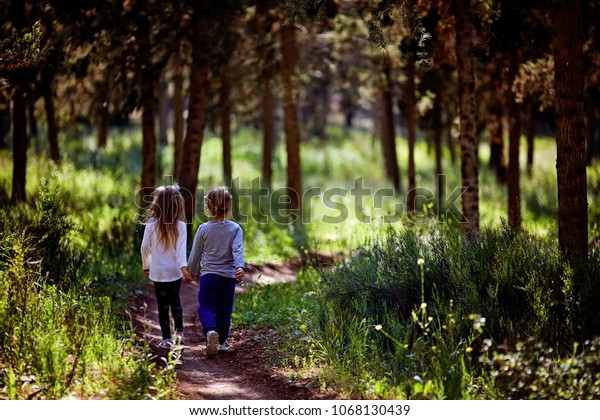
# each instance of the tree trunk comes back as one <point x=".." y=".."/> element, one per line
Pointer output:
<point x="447" y="115"/>
<point x="530" y="133"/>
<point x="101" y="119"/>
<point x="450" y="137"/>
<point x="467" y="114"/>
<point x="290" y="110"/>
<point x="388" y="129"/>
<point x="438" y="127"/>
<point x="33" y="128"/>
<point x="148" y="83"/>
<point x="411" y="113"/>
<point x="196" y="121"/>
<point x="497" y="160"/>
<point x="496" y="129"/>
<point x="148" y="133"/>
<point x="591" y="126"/>
<point x="514" y="136"/>
<point x="267" y="54"/>
<point x="102" y="126"/>
<point x="4" y="121"/>
<point x="19" y="140"/>
<point x="47" y="86"/>
<point x="17" y="17"/>
<point x="570" y="129"/>
<point x="163" y="110"/>
<point x="321" y="115"/>
<point x="178" y="121"/>
<point x="225" y="109"/>
<point x="268" y="125"/>
<point x="448" y="128"/>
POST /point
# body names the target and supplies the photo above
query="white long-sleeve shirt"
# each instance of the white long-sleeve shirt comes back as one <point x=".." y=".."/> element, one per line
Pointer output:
<point x="218" y="248"/>
<point x="164" y="264"/>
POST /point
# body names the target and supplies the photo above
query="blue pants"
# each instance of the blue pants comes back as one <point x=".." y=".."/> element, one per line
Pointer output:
<point x="215" y="304"/>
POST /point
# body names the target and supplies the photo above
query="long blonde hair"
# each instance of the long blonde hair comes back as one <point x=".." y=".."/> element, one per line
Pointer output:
<point x="167" y="208"/>
<point x="218" y="201"/>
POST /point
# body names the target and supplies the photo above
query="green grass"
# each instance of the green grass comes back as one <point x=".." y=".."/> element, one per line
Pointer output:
<point x="381" y="325"/>
<point x="68" y="265"/>
<point x="340" y="163"/>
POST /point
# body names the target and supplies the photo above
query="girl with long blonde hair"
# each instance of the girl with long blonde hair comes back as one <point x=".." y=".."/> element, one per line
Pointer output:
<point x="164" y="258"/>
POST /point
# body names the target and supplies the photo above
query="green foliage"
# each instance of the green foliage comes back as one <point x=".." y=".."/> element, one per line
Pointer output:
<point x="268" y="238"/>
<point x="44" y="238"/>
<point x="533" y="371"/>
<point x="385" y="13"/>
<point x="289" y="308"/>
<point x="271" y="305"/>
<point x="593" y="180"/>
<point x="536" y="81"/>
<point x="21" y="50"/>
<point x="66" y="271"/>
<point x="582" y="296"/>
<point x="509" y="277"/>
<point x="350" y="353"/>
<point x="316" y="10"/>
<point x="406" y="316"/>
<point x="57" y="343"/>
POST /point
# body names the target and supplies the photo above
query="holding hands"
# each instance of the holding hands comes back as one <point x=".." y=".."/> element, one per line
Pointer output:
<point x="186" y="274"/>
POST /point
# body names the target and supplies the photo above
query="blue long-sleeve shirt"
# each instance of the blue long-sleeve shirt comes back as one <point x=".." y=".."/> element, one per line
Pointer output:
<point x="218" y="248"/>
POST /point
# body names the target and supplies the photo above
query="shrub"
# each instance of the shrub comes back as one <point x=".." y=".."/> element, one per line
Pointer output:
<point x="45" y="235"/>
<point x="503" y="285"/>
<point x="49" y="239"/>
<point x="533" y="371"/>
<point x="57" y="337"/>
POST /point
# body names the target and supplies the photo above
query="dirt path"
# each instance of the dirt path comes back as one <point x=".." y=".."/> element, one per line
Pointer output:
<point x="246" y="372"/>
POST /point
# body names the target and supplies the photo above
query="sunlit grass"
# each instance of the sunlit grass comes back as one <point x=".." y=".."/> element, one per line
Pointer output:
<point x="421" y="316"/>
<point x="66" y="329"/>
<point x="338" y="163"/>
<point x="107" y="179"/>
<point x="62" y="329"/>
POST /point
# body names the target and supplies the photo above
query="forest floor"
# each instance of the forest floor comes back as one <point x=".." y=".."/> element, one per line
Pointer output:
<point x="248" y="371"/>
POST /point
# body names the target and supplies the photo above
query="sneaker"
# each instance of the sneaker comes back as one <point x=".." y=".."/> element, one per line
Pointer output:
<point x="178" y="338"/>
<point x="212" y="341"/>
<point x="223" y="347"/>
<point x="166" y="343"/>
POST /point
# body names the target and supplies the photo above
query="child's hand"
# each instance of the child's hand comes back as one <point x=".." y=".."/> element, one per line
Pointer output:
<point x="239" y="273"/>
<point x="186" y="274"/>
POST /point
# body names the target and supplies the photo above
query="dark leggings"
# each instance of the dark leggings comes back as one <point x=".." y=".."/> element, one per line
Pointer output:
<point x="167" y="295"/>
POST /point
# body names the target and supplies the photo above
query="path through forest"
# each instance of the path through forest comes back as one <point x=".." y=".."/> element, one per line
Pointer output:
<point x="246" y="372"/>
